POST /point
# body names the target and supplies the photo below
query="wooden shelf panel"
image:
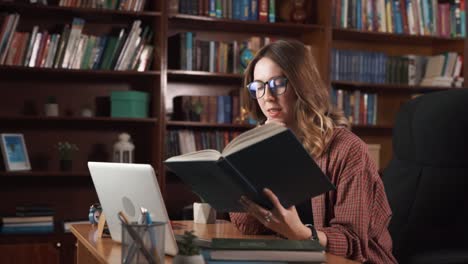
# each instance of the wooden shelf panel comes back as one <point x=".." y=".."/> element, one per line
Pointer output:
<point x="191" y="124"/>
<point x="379" y="87"/>
<point x="375" y="127"/>
<point x="85" y="13"/>
<point x="36" y="73"/>
<point x="97" y="120"/>
<point x="201" y="76"/>
<point x="357" y="35"/>
<point x="80" y="123"/>
<point x="30" y="238"/>
<point x="45" y="174"/>
<point x="229" y="25"/>
<point x="374" y="130"/>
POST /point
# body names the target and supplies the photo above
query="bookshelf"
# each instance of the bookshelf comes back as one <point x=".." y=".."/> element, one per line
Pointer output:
<point x="323" y="35"/>
<point x="25" y="89"/>
<point x="414" y="34"/>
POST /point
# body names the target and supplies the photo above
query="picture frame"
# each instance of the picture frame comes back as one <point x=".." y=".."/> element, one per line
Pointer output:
<point x="15" y="153"/>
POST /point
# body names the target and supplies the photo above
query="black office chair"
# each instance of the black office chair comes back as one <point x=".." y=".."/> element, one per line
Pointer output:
<point x="427" y="179"/>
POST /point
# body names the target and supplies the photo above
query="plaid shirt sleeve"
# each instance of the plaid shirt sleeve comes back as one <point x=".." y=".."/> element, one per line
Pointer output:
<point x="355" y="216"/>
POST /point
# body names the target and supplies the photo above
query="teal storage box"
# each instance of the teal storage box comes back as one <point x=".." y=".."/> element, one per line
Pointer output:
<point x="129" y="104"/>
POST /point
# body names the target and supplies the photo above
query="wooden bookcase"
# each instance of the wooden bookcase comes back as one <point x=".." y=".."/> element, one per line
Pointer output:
<point x="391" y="96"/>
<point x="24" y="91"/>
<point x="319" y="33"/>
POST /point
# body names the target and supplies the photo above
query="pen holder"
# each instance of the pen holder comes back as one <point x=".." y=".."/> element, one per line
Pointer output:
<point x="143" y="243"/>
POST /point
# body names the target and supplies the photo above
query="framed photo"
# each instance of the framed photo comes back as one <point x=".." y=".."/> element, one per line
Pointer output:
<point x="14" y="152"/>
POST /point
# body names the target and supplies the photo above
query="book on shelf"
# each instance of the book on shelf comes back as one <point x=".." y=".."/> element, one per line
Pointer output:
<point x="268" y="156"/>
<point x="73" y="49"/>
<point x="27" y="229"/>
<point x="267" y="250"/>
<point x="413" y="17"/>
<point x="26" y="219"/>
<point x="251" y="10"/>
<point x="34" y="210"/>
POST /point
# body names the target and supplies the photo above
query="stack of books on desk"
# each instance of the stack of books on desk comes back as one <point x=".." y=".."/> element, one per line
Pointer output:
<point x="273" y="251"/>
<point x="29" y="219"/>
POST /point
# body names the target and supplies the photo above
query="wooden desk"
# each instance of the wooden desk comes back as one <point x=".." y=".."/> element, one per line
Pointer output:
<point x="91" y="250"/>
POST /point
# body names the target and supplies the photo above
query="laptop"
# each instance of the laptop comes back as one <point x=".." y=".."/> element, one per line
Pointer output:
<point x="128" y="187"/>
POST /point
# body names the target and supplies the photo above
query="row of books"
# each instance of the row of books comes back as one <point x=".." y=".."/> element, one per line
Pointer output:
<point x="223" y="109"/>
<point x="213" y="56"/>
<point x="254" y="10"/>
<point x="414" y="17"/>
<point x="126" y="5"/>
<point x="72" y="49"/>
<point x="33" y="219"/>
<point x="184" y="141"/>
<point x="360" y="108"/>
<point x="377" y="67"/>
<point x="29" y="219"/>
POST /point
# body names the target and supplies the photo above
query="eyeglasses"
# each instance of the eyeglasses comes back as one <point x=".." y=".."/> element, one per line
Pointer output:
<point x="277" y="87"/>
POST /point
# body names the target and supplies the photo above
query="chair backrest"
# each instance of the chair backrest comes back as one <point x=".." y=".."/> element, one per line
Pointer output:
<point x="427" y="179"/>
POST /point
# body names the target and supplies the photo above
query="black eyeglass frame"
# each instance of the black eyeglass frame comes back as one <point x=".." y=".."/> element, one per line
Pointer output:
<point x="271" y="86"/>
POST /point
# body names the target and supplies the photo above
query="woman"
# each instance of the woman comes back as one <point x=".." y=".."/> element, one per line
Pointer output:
<point x="285" y="87"/>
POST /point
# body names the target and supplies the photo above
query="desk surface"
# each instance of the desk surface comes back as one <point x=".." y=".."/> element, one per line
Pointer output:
<point x="107" y="251"/>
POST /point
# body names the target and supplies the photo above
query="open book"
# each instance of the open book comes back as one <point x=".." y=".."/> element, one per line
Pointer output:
<point x="267" y="156"/>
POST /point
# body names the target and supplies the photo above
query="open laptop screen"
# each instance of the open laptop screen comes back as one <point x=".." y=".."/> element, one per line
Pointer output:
<point x="128" y="187"/>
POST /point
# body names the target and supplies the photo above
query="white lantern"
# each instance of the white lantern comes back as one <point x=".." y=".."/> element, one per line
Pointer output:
<point x="123" y="149"/>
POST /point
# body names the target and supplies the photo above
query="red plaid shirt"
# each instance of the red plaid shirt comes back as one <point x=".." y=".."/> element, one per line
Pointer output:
<point x="356" y="215"/>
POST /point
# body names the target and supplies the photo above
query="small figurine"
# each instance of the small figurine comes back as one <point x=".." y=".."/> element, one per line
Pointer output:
<point x="298" y="13"/>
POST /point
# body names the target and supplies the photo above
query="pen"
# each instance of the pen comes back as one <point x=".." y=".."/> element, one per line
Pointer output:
<point x="132" y="250"/>
<point x="137" y="239"/>
<point x="149" y="221"/>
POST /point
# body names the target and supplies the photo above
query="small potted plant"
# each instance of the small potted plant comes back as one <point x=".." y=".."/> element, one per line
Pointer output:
<point x="66" y="150"/>
<point x="189" y="253"/>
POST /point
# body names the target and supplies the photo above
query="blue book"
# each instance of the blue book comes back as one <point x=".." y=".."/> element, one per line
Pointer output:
<point x="227" y="109"/>
<point x="245" y="10"/>
<point x="253" y="14"/>
<point x="26" y="229"/>
<point x="370" y="109"/>
<point x="397" y="19"/>
<point x="359" y="15"/>
<point x="102" y="46"/>
<point x="219" y="9"/>
<point x="236" y="9"/>
<point x="272" y="11"/>
<point x="220" y="110"/>
<point x="212" y="8"/>
<point x="189" y="51"/>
